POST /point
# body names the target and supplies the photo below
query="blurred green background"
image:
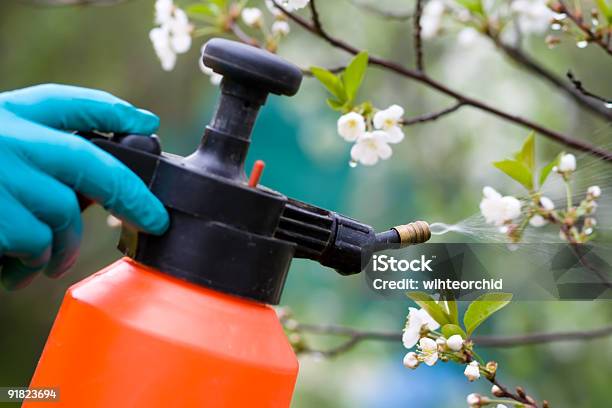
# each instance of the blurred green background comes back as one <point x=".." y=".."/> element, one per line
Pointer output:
<point x="435" y="174"/>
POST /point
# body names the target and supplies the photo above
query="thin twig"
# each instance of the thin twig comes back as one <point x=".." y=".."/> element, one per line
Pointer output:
<point x="428" y="117"/>
<point x="242" y="36"/>
<point x="465" y="100"/>
<point x="531" y="65"/>
<point x="418" y="40"/>
<point x="391" y="15"/>
<point x="590" y="35"/>
<point x="356" y="336"/>
<point x="580" y="88"/>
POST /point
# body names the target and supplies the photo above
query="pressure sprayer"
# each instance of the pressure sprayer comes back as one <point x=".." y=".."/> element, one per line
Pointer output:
<point x="183" y="320"/>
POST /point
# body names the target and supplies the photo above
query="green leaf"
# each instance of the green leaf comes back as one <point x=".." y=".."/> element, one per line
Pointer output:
<point x="331" y="82"/>
<point x="430" y="305"/>
<point x="452" y="329"/>
<point x="518" y="171"/>
<point x="221" y="3"/>
<point x="210" y="10"/>
<point x="605" y="9"/>
<point x="353" y="75"/>
<point x="527" y="153"/>
<point x="335" y="104"/>
<point x="545" y="171"/>
<point x="475" y="6"/>
<point x="453" y="312"/>
<point x="482" y="308"/>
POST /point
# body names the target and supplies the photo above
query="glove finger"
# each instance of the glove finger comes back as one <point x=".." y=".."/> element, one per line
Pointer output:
<point x="56" y="205"/>
<point x="24" y="241"/>
<point x="95" y="174"/>
<point x="74" y="108"/>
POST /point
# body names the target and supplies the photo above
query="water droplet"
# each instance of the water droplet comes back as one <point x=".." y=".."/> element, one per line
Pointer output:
<point x="556" y="26"/>
<point x="352" y="164"/>
<point x="582" y="44"/>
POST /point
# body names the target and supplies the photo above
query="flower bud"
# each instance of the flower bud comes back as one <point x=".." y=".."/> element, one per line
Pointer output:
<point x="472" y="371"/>
<point x="521" y="392"/>
<point x="411" y="360"/>
<point x="567" y="163"/>
<point x="594" y="191"/>
<point x="473" y="400"/>
<point x="495" y="390"/>
<point x="491" y="367"/>
<point x="455" y="342"/>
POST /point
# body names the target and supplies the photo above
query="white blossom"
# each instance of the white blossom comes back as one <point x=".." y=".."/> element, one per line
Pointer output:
<point x="173" y="36"/>
<point x="547" y="204"/>
<point x="501" y="406"/>
<point x="252" y="16"/>
<point x="163" y="11"/>
<point x="431" y="18"/>
<point x="537" y="221"/>
<point x="416" y="321"/>
<point x="473" y="400"/>
<point x="411" y="360"/>
<point x="455" y="342"/>
<point x="370" y="147"/>
<point x="467" y="37"/>
<point x="594" y="191"/>
<point x="472" y="371"/>
<point x="389" y="121"/>
<point x="160" y="37"/>
<point x="441" y="341"/>
<point x="498" y="210"/>
<point x="280" y="28"/>
<point x="567" y="163"/>
<point x="495" y="390"/>
<point x="292" y="5"/>
<point x="273" y="9"/>
<point x="429" y="351"/>
<point x="215" y="78"/>
<point x="533" y="16"/>
<point x="351" y="126"/>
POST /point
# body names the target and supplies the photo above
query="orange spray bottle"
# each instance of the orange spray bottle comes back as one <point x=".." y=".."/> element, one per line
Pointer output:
<point x="183" y="320"/>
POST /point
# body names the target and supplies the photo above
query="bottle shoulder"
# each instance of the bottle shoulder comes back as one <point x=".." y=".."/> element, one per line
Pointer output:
<point x="183" y="313"/>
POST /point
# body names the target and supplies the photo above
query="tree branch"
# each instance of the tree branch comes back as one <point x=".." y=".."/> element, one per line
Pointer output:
<point x="418" y="40"/>
<point x="580" y="88"/>
<point x="590" y="35"/>
<point x="529" y="64"/>
<point x="465" y="100"/>
<point x="428" y="117"/>
<point x="356" y="336"/>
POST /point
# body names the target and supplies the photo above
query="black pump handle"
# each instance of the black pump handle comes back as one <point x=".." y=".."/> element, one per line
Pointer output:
<point x="252" y="66"/>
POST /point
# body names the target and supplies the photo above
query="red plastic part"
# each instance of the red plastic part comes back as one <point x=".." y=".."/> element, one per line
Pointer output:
<point x="131" y="336"/>
<point x="256" y="172"/>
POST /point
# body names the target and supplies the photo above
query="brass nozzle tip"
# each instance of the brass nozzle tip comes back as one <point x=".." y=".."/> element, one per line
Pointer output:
<point x="414" y="233"/>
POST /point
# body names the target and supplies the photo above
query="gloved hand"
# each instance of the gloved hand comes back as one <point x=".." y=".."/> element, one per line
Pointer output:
<point x="41" y="167"/>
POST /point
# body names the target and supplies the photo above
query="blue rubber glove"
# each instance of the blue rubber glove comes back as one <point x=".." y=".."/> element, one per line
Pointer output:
<point x="41" y="167"/>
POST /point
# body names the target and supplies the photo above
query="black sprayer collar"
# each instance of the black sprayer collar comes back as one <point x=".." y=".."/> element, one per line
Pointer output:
<point x="224" y="233"/>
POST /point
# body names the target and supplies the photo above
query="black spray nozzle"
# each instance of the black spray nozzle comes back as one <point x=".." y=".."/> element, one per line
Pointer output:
<point x="340" y="242"/>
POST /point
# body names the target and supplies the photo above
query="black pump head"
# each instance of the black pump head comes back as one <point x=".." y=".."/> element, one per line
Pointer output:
<point x="249" y="74"/>
<point x="224" y="233"/>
